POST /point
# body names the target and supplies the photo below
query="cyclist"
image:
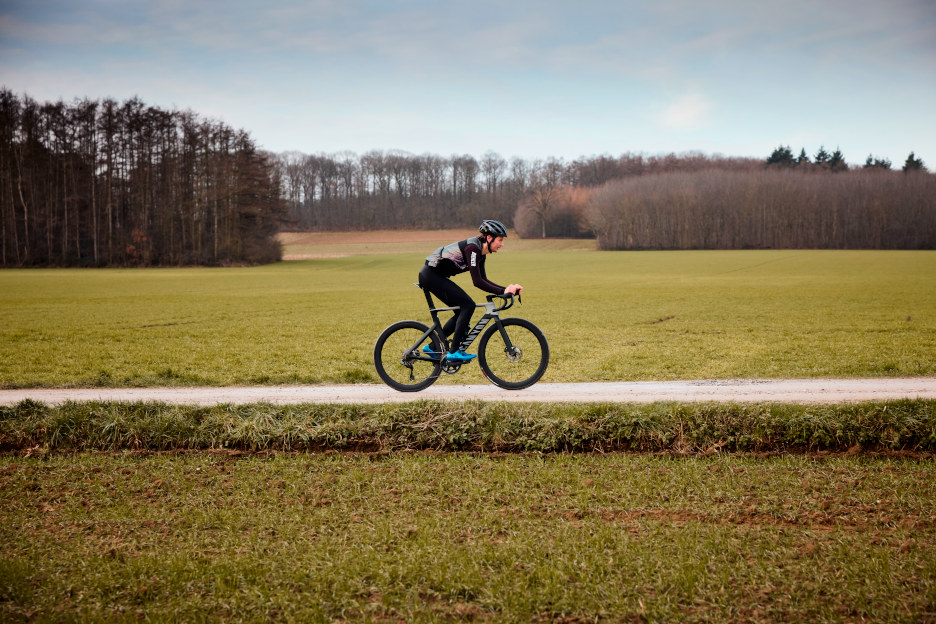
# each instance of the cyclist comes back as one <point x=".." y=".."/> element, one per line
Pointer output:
<point x="449" y="260"/>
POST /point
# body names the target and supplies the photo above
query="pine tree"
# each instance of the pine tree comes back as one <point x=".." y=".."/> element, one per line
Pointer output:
<point x="782" y="157"/>
<point x="802" y="159"/>
<point x="913" y="164"/>
<point x="877" y="163"/>
<point x="837" y="161"/>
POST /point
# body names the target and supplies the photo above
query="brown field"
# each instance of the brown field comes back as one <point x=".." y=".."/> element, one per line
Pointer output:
<point x="310" y="245"/>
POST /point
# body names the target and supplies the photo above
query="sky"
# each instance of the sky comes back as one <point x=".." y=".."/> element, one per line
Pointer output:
<point x="521" y="78"/>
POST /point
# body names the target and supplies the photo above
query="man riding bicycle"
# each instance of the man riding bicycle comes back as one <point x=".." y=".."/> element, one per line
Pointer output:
<point x="450" y="260"/>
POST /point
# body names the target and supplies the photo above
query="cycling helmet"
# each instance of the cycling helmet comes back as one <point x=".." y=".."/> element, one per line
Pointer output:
<point x="492" y="227"/>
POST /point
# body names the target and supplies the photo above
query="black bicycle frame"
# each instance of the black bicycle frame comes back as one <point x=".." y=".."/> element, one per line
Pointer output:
<point x="491" y="313"/>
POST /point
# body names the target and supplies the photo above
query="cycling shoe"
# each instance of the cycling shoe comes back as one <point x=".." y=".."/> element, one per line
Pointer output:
<point x="460" y="356"/>
<point x="427" y="351"/>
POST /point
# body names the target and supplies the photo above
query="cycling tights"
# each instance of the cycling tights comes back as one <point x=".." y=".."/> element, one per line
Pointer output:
<point x="451" y="295"/>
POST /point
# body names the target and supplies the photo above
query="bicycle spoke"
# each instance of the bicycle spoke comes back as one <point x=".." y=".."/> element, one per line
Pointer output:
<point x="400" y="359"/>
<point x="519" y="364"/>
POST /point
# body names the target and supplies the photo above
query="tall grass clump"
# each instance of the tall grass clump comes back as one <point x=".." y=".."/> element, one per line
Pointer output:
<point x="471" y="426"/>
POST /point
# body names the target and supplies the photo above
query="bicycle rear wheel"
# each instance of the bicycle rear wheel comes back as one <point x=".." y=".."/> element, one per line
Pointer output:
<point x="400" y="359"/>
<point x="519" y="363"/>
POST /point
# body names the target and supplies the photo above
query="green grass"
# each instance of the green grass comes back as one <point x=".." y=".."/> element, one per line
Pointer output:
<point x="233" y="519"/>
<point x="906" y="425"/>
<point x="608" y="316"/>
<point x="425" y="537"/>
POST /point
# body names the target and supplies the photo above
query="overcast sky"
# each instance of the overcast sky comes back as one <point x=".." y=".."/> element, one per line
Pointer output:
<point x="528" y="78"/>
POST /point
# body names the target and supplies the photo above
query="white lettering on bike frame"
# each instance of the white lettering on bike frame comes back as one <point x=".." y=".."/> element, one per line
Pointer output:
<point x="482" y="322"/>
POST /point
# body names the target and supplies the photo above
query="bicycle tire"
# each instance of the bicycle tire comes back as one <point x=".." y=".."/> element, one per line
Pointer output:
<point x="525" y="365"/>
<point x="399" y="360"/>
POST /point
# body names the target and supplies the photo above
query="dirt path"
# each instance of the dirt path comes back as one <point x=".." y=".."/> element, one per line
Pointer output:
<point x="733" y="390"/>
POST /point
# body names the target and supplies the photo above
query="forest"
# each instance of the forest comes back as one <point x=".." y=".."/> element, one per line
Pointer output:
<point x="766" y="209"/>
<point x="392" y="190"/>
<point x="102" y="183"/>
<point x="107" y="183"/>
<point x="634" y="201"/>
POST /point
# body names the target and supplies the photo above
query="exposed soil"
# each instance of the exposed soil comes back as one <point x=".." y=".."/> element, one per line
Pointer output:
<point x="328" y="244"/>
<point x="376" y="236"/>
<point x="731" y="390"/>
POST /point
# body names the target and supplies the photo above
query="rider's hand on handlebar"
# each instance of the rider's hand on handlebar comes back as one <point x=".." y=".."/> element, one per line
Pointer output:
<point x="513" y="289"/>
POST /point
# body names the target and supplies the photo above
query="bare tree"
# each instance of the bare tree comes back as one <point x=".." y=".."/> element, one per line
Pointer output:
<point x="766" y="209"/>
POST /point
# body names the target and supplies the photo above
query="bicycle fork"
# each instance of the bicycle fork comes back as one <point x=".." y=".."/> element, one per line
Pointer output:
<point x="490" y="314"/>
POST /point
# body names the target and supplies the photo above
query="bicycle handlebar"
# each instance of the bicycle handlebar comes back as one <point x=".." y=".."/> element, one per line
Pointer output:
<point x="507" y="297"/>
<point x="508" y="300"/>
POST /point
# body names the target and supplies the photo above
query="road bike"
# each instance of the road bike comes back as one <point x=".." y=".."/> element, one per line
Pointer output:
<point x="513" y="352"/>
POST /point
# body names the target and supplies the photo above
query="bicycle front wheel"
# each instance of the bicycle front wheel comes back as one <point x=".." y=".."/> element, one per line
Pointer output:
<point x="400" y="359"/>
<point x="513" y="354"/>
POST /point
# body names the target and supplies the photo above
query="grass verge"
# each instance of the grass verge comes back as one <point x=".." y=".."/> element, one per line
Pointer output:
<point x="906" y="425"/>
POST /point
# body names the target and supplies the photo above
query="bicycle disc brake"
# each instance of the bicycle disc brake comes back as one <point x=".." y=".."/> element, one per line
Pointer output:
<point x="514" y="354"/>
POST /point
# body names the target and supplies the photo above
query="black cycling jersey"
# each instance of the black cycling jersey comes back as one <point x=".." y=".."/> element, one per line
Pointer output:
<point x="450" y="260"/>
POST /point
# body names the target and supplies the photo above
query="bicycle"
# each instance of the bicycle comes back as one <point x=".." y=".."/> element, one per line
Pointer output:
<point x="513" y="353"/>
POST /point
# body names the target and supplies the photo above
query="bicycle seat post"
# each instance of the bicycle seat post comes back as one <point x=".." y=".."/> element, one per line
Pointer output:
<point x="432" y="311"/>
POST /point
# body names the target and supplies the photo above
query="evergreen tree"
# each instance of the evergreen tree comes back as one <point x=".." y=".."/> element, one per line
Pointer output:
<point x="782" y="157"/>
<point x="822" y="158"/>
<point x="837" y="161"/>
<point x="877" y="163"/>
<point x="913" y="164"/>
<point x="802" y="159"/>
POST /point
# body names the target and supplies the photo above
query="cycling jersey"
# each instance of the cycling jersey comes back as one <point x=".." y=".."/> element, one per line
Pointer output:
<point x="462" y="256"/>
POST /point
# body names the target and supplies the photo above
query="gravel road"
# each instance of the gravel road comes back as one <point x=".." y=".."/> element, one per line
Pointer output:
<point x="729" y="390"/>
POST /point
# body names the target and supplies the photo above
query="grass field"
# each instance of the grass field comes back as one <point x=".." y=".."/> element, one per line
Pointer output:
<point x="685" y="531"/>
<point x="609" y="316"/>
<point x="461" y="537"/>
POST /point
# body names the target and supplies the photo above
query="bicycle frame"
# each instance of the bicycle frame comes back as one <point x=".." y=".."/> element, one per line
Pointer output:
<point x="491" y="313"/>
<point x="423" y="350"/>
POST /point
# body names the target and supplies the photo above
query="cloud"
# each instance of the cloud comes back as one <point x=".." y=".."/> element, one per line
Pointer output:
<point x="689" y="112"/>
<point x="519" y="77"/>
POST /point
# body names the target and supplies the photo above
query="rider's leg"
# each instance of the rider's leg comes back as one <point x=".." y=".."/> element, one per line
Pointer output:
<point x="451" y="294"/>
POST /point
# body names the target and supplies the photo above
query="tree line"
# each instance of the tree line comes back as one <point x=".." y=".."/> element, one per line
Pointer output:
<point x="399" y="190"/>
<point x="766" y="209"/>
<point x="634" y="201"/>
<point x="95" y="183"/>
<point x="103" y="183"/>
<point x="822" y="160"/>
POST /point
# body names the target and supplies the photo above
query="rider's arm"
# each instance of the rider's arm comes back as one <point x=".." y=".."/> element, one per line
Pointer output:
<point x="513" y="289"/>
<point x="476" y="267"/>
